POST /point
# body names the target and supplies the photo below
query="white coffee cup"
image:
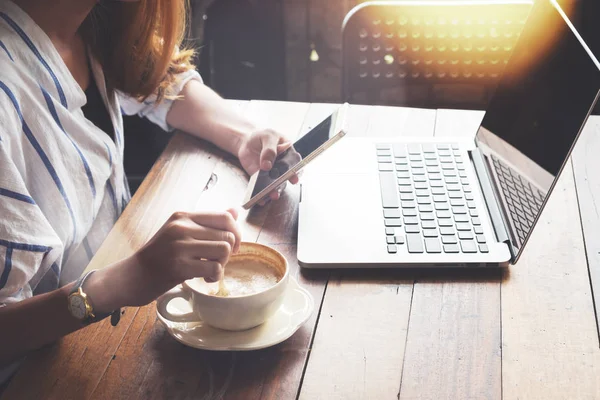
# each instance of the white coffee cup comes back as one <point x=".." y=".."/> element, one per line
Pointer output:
<point x="233" y="313"/>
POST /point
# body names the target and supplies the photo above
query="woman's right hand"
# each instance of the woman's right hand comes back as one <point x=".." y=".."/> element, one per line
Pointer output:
<point x="188" y="245"/>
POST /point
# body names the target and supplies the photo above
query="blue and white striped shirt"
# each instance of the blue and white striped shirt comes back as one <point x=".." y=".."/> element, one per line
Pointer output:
<point x="62" y="183"/>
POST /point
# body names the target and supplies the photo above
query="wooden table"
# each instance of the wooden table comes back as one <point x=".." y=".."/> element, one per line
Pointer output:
<point x="529" y="332"/>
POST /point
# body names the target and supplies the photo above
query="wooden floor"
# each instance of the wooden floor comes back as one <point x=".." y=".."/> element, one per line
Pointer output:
<point x="526" y="333"/>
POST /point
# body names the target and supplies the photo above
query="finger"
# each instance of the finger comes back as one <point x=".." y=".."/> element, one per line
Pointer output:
<point x="274" y="195"/>
<point x="205" y="233"/>
<point x="294" y="179"/>
<point x="219" y="220"/>
<point x="211" y="271"/>
<point x="207" y="250"/>
<point x="283" y="146"/>
<point x="234" y="213"/>
<point x="268" y="153"/>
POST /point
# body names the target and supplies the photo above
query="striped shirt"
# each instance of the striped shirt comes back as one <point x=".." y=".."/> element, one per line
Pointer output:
<point x="62" y="183"/>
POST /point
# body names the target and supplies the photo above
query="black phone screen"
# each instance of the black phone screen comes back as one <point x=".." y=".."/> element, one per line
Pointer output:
<point x="288" y="159"/>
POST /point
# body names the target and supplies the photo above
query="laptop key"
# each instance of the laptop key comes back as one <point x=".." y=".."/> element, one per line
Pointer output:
<point x="463" y="235"/>
<point x="393" y="222"/>
<point x="390" y="231"/>
<point x="468" y="246"/>
<point x="469" y="196"/>
<point x="457" y="202"/>
<point x="461" y="226"/>
<point x="438" y="190"/>
<point x="384" y="167"/>
<point x="391" y="240"/>
<point x="435" y="184"/>
<point x="459" y="210"/>
<point x="476" y="221"/>
<point x="445" y="222"/>
<point x="462" y="174"/>
<point x="391" y="213"/>
<point x="442" y="206"/>
<point x="422" y="192"/>
<point x="403" y="174"/>
<point x="414" y="149"/>
<point x="446" y="230"/>
<point x="399" y="149"/>
<point x="384" y="152"/>
<point x="405" y="189"/>
<point x="415" y="157"/>
<point x="430" y="233"/>
<point x="444" y="214"/>
<point x="424" y="200"/>
<point x="418" y="171"/>
<point x="404" y="181"/>
<point x="471" y="204"/>
<point x="427" y="224"/>
<point x="480" y="239"/>
<point x="449" y="239"/>
<point x="384" y="159"/>
<point x="389" y="195"/>
<point x="421" y="185"/>
<point x="435" y="176"/>
<point x="425" y="208"/>
<point x="431" y="162"/>
<point x="420" y="178"/>
<point x="478" y="230"/>
<point x="428" y="148"/>
<point x="483" y="248"/>
<point x="414" y="243"/>
<point x="433" y="245"/>
<point x="403" y="168"/>
<point x="407" y="196"/>
<point x="411" y="220"/>
<point x="461" y="218"/>
<point x="381" y="146"/>
<point x="408" y="204"/>
<point x="409" y="212"/>
<point x="399" y="239"/>
<point x="427" y="216"/>
<point x="453" y="187"/>
<point x="466" y="188"/>
<point x="451" y="179"/>
<point x="392" y="248"/>
<point x="439" y="198"/>
<point x="433" y="170"/>
<point x="412" y="229"/>
<point x="451" y="248"/>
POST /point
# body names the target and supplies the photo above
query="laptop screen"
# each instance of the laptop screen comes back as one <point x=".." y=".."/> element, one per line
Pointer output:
<point x="545" y="95"/>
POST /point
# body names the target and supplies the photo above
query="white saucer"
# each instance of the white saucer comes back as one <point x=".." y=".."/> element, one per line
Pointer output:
<point x="295" y="310"/>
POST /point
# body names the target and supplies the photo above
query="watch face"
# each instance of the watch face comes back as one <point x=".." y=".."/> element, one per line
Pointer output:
<point x="77" y="307"/>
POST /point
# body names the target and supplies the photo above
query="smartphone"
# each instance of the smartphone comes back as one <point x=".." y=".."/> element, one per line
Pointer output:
<point x="293" y="159"/>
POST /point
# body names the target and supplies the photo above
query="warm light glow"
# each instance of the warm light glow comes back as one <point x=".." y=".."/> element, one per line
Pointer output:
<point x="440" y="42"/>
<point x="314" y="56"/>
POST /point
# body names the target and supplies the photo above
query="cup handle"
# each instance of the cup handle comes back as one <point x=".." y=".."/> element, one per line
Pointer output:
<point x="163" y="301"/>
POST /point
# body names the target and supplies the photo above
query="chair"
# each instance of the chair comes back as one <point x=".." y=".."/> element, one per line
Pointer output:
<point x="434" y="54"/>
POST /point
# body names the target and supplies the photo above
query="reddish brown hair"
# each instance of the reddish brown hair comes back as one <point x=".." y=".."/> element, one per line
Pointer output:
<point x="138" y="44"/>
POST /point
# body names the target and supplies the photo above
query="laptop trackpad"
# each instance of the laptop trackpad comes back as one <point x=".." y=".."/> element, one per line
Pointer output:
<point x="341" y="214"/>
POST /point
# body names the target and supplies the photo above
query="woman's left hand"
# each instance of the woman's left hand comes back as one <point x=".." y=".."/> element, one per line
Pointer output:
<point x="259" y="150"/>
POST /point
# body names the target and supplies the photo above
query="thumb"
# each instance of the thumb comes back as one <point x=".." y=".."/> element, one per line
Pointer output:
<point x="268" y="152"/>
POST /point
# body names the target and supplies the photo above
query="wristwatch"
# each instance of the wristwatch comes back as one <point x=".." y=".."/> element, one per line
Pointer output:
<point x="81" y="308"/>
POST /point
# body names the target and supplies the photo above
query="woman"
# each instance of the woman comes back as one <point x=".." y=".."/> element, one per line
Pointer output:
<point x="70" y="68"/>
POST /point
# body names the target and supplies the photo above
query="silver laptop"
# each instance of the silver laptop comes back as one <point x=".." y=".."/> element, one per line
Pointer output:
<point x="443" y="202"/>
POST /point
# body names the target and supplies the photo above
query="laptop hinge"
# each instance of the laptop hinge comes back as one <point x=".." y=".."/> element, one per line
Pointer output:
<point x="492" y="201"/>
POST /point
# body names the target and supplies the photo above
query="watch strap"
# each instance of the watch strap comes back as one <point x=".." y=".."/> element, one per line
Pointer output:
<point x="115" y="315"/>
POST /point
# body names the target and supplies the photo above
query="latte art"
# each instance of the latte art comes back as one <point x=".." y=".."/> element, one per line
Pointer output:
<point x="247" y="276"/>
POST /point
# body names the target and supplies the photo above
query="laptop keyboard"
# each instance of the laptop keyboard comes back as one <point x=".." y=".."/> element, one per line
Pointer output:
<point x="427" y="199"/>
<point x="524" y="200"/>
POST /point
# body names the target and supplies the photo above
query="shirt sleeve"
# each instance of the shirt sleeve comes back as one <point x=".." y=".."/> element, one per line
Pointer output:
<point x="29" y="247"/>
<point x="157" y="113"/>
